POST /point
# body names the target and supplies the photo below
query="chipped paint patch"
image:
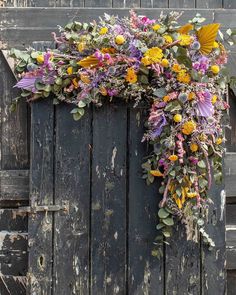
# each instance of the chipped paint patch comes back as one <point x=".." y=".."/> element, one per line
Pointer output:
<point x="222" y="204"/>
<point x="114" y="152"/>
<point x="116" y="235"/>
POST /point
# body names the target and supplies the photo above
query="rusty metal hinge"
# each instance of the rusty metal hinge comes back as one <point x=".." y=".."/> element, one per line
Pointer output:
<point x="34" y="207"/>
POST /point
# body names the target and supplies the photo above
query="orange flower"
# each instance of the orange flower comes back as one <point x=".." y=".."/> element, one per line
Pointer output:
<point x="173" y="158"/>
<point x="131" y="76"/>
<point x="156" y="173"/>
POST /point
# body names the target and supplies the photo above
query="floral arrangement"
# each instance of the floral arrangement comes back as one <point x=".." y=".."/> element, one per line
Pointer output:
<point x="178" y="70"/>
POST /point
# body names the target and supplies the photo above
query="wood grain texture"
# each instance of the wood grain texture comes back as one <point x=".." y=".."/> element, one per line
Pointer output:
<point x="126" y="3"/>
<point x="231" y="282"/>
<point x="97" y="3"/>
<point x="230" y="174"/>
<point x="109" y="191"/>
<point x="14" y="285"/>
<point x="154" y="3"/>
<point x="209" y="3"/>
<point x="41" y="179"/>
<point x="72" y="183"/>
<point x="181" y="3"/>
<point x="229" y="4"/>
<point x="146" y="273"/>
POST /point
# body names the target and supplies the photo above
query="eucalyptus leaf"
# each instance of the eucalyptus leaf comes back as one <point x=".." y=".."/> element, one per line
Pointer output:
<point x="168" y="221"/>
<point x="162" y="213"/>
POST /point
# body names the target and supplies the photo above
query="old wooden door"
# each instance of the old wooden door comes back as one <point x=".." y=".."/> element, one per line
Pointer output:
<point x="102" y="244"/>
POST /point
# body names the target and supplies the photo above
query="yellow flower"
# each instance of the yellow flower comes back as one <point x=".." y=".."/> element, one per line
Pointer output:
<point x="183" y="77"/>
<point x="168" y="39"/>
<point x="84" y="78"/>
<point x="156" y="27"/>
<point x="215" y="45"/>
<point x="191" y="96"/>
<point x="146" y="60"/>
<point x="202" y="137"/>
<point x="120" y="39"/>
<point x="154" y="54"/>
<point x="215" y="69"/>
<point x="193" y="147"/>
<point x="191" y="195"/>
<point x="177" y="118"/>
<point x="40" y="59"/>
<point x="176" y="68"/>
<point x="88" y="61"/>
<point x="214" y="99"/>
<point x="103" y="91"/>
<point x="110" y="50"/>
<point x="173" y="158"/>
<point x="69" y="70"/>
<point x="166" y="98"/>
<point x="131" y="76"/>
<point x="188" y="127"/>
<point x="81" y="46"/>
<point x="219" y="141"/>
<point x="103" y="31"/>
<point x="75" y="82"/>
<point x="165" y="63"/>
<point x="185" y="29"/>
<point x="185" y="40"/>
<point x="156" y="173"/>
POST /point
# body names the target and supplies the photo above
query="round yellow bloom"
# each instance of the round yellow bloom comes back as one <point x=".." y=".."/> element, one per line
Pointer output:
<point x="146" y="60"/>
<point x="185" y="39"/>
<point x="166" y="98"/>
<point x="168" y="39"/>
<point x="120" y="39"/>
<point x="85" y="79"/>
<point x="69" y="70"/>
<point x="173" y="158"/>
<point x="183" y="77"/>
<point x="219" y="141"/>
<point x="215" y="45"/>
<point x="156" y="27"/>
<point x="131" y="76"/>
<point x="40" y="59"/>
<point x="188" y="127"/>
<point x="214" y="99"/>
<point x="154" y="54"/>
<point x="176" y="68"/>
<point x="103" y="31"/>
<point x="215" y="69"/>
<point x="81" y="46"/>
<point x="165" y="63"/>
<point x="177" y="118"/>
<point x="191" y="96"/>
<point x="193" y="147"/>
<point x="156" y="173"/>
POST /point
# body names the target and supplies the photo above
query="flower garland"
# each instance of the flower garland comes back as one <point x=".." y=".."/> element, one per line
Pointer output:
<point x="179" y="71"/>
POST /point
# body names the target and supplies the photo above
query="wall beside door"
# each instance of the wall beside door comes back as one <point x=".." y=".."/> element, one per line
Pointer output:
<point x="15" y="139"/>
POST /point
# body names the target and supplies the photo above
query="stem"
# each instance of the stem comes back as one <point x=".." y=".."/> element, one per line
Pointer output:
<point x="163" y="201"/>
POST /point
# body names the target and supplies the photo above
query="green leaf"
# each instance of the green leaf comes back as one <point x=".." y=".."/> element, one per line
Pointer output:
<point x="168" y="221"/>
<point x="81" y="104"/>
<point x="201" y="164"/>
<point x="160" y="92"/>
<point x="58" y="81"/>
<point x="162" y="213"/>
<point x="76" y="116"/>
<point x="167" y="234"/>
<point x="160" y="226"/>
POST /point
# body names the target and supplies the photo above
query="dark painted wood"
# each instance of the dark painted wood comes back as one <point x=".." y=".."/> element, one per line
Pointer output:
<point x="14" y="285"/>
<point x="126" y="4"/>
<point x="182" y="265"/>
<point x="213" y="262"/>
<point x="14" y="185"/>
<point x="98" y="3"/>
<point x="229" y="4"/>
<point x="231" y="214"/>
<point x="209" y="3"/>
<point x="11" y="220"/>
<point x="154" y="3"/>
<point x="72" y="183"/>
<point x="231" y="282"/>
<point x="41" y="180"/>
<point x="230" y="174"/>
<point x="145" y="271"/>
<point x="181" y="3"/>
<point x="108" y="209"/>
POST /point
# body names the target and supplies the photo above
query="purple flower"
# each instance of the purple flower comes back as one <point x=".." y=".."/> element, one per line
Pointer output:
<point x="27" y="83"/>
<point x="157" y="121"/>
<point x="204" y="104"/>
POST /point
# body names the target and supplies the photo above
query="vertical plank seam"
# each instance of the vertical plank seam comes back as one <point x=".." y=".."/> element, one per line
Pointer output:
<point x="90" y="201"/>
<point x="54" y="142"/>
<point x="127" y="198"/>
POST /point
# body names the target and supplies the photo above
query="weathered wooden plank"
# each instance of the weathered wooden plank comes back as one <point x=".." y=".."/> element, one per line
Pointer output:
<point x="41" y="179"/>
<point x="14" y="185"/>
<point x="154" y="3"/>
<point x="181" y="3"/>
<point x="231" y="282"/>
<point x="72" y="183"/>
<point x="108" y="212"/>
<point x="13" y="253"/>
<point x="10" y="220"/>
<point x="230" y="174"/>
<point x="231" y="133"/>
<point x="209" y="3"/>
<point x="146" y="274"/>
<point x="182" y="264"/>
<point x="98" y="3"/>
<point x="125" y="4"/>
<point x="231" y="214"/>
<point x="229" y="4"/>
<point x="14" y="285"/>
<point x="231" y="246"/>
<point x="213" y="262"/>
<point x="14" y="131"/>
